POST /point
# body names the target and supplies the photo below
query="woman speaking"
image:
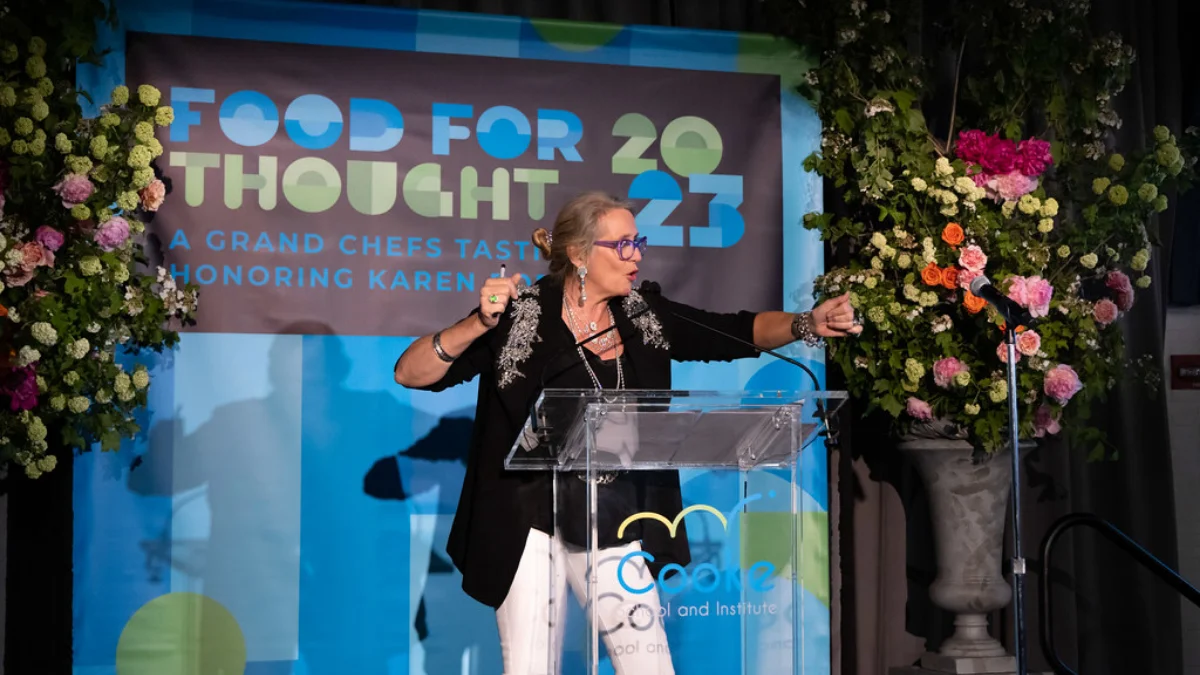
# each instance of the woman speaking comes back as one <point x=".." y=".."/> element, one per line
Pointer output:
<point x="504" y="539"/>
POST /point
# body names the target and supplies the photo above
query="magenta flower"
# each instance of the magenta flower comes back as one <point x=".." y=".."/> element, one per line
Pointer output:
<point x="74" y="189"/>
<point x="972" y="145"/>
<point x="112" y="234"/>
<point x="49" y="237"/>
<point x="1045" y="422"/>
<point x="1000" y="156"/>
<point x="21" y="386"/>
<point x="1033" y="157"/>
<point x="1062" y="383"/>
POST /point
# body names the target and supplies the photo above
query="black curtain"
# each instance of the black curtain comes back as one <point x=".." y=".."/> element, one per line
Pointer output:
<point x="1113" y="618"/>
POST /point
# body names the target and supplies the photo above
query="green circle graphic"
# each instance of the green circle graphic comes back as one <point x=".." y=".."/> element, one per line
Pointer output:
<point x="181" y="634"/>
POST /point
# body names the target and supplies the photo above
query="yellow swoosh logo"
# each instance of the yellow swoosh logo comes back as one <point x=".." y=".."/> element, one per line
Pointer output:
<point x="672" y="526"/>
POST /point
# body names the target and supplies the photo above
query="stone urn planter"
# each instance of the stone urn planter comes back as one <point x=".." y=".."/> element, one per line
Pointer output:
<point x="968" y="497"/>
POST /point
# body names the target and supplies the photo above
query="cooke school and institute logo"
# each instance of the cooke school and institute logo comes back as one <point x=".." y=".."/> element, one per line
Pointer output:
<point x="705" y="577"/>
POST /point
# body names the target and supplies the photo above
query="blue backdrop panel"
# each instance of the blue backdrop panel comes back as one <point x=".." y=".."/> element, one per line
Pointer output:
<point x="286" y="510"/>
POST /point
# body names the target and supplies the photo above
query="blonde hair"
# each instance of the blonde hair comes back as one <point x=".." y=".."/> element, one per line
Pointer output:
<point x="575" y="229"/>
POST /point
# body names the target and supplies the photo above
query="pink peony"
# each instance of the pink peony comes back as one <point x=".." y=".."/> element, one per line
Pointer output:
<point x="112" y="234"/>
<point x="945" y="370"/>
<point x="1002" y="353"/>
<point x="1105" y="312"/>
<point x="1061" y="383"/>
<point x="49" y="237"/>
<point x="972" y="144"/>
<point x="1045" y="421"/>
<point x="74" y="189"/>
<point x="1033" y="293"/>
<point x="981" y="179"/>
<point x="1011" y="186"/>
<point x="1033" y="157"/>
<point x="972" y="259"/>
<point x="1000" y="156"/>
<point x="919" y="409"/>
<point x="153" y="195"/>
<point x="1029" y="342"/>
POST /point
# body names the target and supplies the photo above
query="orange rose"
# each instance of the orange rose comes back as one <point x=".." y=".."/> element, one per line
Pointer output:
<point x="953" y="234"/>
<point x="932" y="275"/>
<point x="950" y="277"/>
<point x="3" y="311"/>
<point x="973" y="303"/>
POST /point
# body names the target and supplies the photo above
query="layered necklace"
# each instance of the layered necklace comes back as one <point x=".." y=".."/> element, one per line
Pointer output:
<point x="606" y="342"/>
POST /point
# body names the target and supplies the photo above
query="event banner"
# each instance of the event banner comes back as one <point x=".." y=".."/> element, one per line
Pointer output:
<point x="344" y="178"/>
<point x="379" y="189"/>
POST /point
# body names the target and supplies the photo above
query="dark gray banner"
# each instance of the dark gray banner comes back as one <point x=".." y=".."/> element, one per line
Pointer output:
<point x="375" y="190"/>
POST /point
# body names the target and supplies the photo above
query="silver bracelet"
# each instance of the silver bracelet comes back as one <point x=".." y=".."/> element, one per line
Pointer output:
<point x="437" y="348"/>
<point x="802" y="329"/>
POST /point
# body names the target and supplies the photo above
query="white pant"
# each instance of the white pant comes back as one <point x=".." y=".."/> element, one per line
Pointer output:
<point x="531" y="617"/>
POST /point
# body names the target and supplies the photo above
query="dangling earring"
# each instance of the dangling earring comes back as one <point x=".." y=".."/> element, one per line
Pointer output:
<point x="582" y="288"/>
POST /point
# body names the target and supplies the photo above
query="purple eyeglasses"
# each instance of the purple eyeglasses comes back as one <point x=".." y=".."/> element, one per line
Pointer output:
<point x="625" y="247"/>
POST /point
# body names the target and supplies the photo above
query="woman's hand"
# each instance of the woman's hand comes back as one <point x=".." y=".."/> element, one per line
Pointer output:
<point x="494" y="297"/>
<point x="835" y="318"/>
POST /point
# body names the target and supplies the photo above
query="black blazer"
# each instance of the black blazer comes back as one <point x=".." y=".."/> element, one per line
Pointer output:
<point x="489" y="531"/>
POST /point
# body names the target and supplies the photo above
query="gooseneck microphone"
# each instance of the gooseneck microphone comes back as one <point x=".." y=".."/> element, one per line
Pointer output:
<point x="1013" y="313"/>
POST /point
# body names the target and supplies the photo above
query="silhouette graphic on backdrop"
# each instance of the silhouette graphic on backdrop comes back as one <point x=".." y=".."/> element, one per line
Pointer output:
<point x="434" y="464"/>
<point x="343" y="600"/>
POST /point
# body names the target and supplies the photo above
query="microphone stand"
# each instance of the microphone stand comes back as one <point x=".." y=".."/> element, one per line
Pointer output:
<point x="1018" y="560"/>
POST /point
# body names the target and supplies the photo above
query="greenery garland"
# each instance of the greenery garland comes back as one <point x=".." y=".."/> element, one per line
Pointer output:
<point x="1022" y="187"/>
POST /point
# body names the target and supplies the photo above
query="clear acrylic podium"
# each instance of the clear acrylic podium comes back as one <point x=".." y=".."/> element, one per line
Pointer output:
<point x="618" y="592"/>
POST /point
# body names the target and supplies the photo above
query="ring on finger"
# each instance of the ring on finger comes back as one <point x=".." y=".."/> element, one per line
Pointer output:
<point x="493" y="299"/>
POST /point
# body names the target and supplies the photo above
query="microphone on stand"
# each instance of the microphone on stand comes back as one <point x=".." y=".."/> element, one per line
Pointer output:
<point x="1014" y="314"/>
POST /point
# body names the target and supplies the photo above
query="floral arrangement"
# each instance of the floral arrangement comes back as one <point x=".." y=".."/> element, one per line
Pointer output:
<point x="1030" y="197"/>
<point x="75" y="194"/>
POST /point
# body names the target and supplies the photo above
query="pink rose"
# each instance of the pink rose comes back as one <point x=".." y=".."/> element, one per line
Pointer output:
<point x="965" y="277"/>
<point x="1012" y="186"/>
<point x="74" y="189"/>
<point x="972" y="259"/>
<point x="1000" y="156"/>
<point x="1061" y="383"/>
<point x="1002" y="353"/>
<point x="34" y="255"/>
<point x="1029" y="342"/>
<point x="919" y="409"/>
<point x="1033" y="156"/>
<point x="1105" y="312"/>
<point x="153" y="195"/>
<point x="1045" y="421"/>
<point x="1039" y="293"/>
<point x="1018" y="291"/>
<point x="49" y="237"/>
<point x="112" y="234"/>
<point x="945" y="370"/>
<point x="971" y="145"/>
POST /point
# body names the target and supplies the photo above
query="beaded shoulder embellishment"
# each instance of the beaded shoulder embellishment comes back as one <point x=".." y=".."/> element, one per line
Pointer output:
<point x="648" y="323"/>
<point x="526" y="311"/>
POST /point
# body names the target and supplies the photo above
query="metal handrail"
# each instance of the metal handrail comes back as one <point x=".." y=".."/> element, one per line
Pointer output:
<point x="1123" y="542"/>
